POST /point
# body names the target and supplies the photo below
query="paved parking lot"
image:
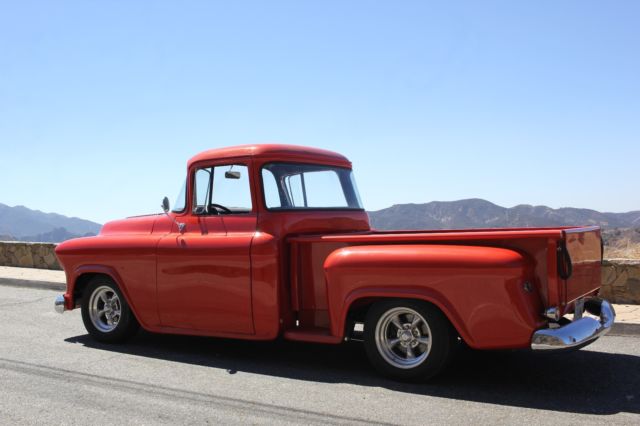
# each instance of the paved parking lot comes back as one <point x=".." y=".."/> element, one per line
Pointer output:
<point x="52" y="372"/>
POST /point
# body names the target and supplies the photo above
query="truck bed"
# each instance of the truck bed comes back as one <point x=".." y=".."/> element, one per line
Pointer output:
<point x="566" y="260"/>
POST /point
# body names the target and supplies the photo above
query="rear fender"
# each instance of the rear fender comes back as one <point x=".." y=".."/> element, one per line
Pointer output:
<point x="481" y="290"/>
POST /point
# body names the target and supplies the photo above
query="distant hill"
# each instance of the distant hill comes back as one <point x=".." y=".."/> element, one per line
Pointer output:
<point x="55" y="236"/>
<point x="21" y="223"/>
<point x="478" y="213"/>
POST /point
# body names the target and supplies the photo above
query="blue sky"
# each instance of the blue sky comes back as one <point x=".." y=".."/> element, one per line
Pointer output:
<point x="102" y="103"/>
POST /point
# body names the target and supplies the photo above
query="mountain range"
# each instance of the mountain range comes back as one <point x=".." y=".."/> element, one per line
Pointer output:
<point x="23" y="224"/>
<point x="478" y="213"/>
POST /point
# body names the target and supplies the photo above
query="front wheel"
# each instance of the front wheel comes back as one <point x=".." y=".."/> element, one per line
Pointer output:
<point x="408" y="339"/>
<point x="105" y="312"/>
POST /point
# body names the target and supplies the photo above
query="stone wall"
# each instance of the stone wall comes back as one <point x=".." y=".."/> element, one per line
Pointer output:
<point x="28" y="255"/>
<point x="620" y="277"/>
<point x="621" y="281"/>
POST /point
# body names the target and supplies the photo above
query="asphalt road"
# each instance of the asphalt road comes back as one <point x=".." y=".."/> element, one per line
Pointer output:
<point x="52" y="372"/>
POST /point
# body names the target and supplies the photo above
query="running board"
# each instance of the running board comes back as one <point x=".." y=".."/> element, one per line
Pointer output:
<point x="315" y="335"/>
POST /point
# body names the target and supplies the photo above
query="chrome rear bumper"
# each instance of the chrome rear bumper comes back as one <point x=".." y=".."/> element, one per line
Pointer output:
<point x="59" y="304"/>
<point x="579" y="332"/>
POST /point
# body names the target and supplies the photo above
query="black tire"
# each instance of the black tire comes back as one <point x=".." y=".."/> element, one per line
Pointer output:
<point x="434" y="337"/>
<point x="108" y="328"/>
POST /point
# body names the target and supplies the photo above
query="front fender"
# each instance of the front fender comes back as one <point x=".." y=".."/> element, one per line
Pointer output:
<point x="74" y="276"/>
<point x="479" y="289"/>
<point x="130" y="260"/>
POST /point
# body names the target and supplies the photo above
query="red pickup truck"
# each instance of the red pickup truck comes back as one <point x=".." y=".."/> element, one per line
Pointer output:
<point x="269" y="241"/>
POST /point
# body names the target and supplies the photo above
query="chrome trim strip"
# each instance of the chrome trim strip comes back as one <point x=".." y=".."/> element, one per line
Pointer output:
<point x="576" y="333"/>
<point x="59" y="304"/>
<point x="578" y="229"/>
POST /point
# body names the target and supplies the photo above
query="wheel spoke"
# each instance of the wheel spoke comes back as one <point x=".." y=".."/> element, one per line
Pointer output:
<point x="423" y="340"/>
<point x="103" y="297"/>
<point x="101" y="312"/>
<point x="416" y="320"/>
<point x="393" y="342"/>
<point x="396" y="321"/>
<point x="410" y="354"/>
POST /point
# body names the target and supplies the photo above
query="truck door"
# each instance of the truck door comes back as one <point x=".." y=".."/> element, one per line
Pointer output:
<point x="204" y="272"/>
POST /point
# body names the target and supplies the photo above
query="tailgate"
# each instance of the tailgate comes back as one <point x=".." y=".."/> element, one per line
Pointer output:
<point x="579" y="260"/>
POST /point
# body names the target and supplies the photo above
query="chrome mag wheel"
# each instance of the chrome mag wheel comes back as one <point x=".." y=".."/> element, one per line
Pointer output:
<point x="105" y="309"/>
<point x="403" y="337"/>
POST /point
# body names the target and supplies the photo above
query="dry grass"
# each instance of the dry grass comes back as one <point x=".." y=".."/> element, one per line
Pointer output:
<point x="631" y="252"/>
<point x="621" y="243"/>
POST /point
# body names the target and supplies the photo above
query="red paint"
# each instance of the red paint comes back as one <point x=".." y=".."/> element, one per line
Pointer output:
<point x="263" y="274"/>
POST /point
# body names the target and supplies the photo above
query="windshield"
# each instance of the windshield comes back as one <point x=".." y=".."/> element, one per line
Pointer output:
<point x="181" y="199"/>
<point x="309" y="186"/>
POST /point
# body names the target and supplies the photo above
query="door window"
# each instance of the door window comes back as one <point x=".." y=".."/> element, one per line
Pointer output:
<point x="222" y="190"/>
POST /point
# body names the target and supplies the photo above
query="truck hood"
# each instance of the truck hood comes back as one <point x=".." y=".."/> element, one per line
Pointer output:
<point x="130" y="225"/>
<point x="138" y="225"/>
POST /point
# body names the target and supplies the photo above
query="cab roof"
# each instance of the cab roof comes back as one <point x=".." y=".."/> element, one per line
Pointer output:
<point x="273" y="152"/>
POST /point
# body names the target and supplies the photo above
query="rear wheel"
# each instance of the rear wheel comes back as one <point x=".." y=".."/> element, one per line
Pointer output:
<point x="408" y="339"/>
<point x="105" y="312"/>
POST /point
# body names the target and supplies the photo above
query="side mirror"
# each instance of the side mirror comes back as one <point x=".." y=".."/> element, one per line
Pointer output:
<point x="166" y="208"/>
<point x="232" y="175"/>
<point x="165" y="205"/>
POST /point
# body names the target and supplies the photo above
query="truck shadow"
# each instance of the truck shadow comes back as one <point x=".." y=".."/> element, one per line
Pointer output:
<point x="586" y="381"/>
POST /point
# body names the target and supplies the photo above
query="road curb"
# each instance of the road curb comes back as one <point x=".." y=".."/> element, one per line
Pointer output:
<point x="625" y="329"/>
<point x="45" y="285"/>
